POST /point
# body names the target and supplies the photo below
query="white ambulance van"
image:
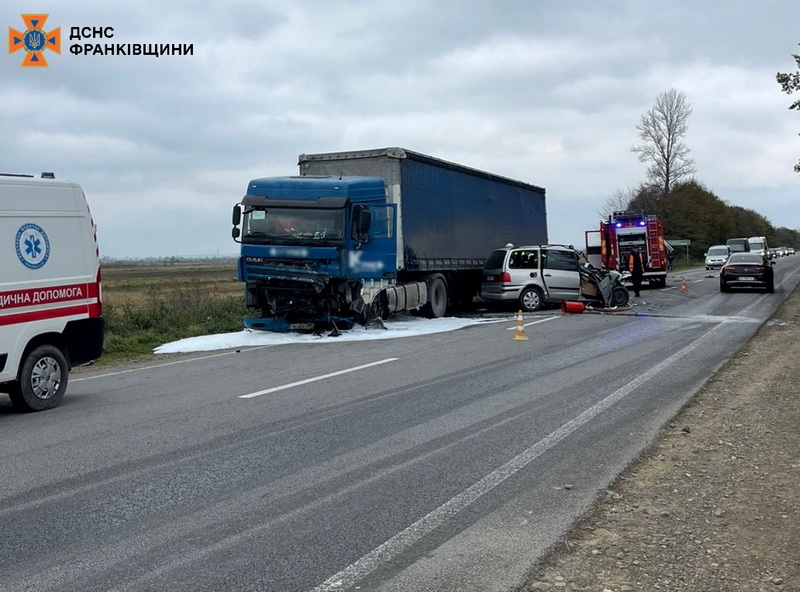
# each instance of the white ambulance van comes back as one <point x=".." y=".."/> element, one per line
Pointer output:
<point x="50" y="301"/>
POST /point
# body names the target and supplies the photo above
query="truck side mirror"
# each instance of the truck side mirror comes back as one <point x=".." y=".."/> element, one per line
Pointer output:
<point x="236" y="219"/>
<point x="364" y="221"/>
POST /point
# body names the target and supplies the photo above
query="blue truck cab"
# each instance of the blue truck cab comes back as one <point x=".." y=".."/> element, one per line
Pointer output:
<point x="310" y="244"/>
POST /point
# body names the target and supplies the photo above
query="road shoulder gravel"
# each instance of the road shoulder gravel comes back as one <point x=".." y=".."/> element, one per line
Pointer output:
<point x="714" y="503"/>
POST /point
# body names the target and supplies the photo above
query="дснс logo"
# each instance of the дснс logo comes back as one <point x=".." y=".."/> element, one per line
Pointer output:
<point x="34" y="40"/>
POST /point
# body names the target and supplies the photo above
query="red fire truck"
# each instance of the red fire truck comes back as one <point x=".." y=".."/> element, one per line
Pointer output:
<point x="610" y="246"/>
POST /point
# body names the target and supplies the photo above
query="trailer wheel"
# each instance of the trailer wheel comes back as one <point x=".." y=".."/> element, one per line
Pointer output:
<point x="531" y="299"/>
<point x="437" y="298"/>
<point x="42" y="380"/>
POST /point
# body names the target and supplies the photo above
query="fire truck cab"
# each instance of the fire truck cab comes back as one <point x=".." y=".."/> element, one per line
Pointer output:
<point x="610" y="246"/>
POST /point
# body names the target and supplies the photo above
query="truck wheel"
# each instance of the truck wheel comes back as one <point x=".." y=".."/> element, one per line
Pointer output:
<point x="531" y="299"/>
<point x="437" y="298"/>
<point x="620" y="296"/>
<point x="42" y="380"/>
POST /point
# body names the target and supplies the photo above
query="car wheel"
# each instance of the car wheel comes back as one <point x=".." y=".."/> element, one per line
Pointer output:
<point x="42" y="380"/>
<point x="723" y="287"/>
<point x="771" y="285"/>
<point x="531" y="299"/>
<point x="620" y="296"/>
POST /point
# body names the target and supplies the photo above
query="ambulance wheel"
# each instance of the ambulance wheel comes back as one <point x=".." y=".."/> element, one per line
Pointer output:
<point x="42" y="380"/>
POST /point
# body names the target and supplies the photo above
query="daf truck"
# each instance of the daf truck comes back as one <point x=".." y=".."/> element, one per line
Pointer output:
<point x="357" y="236"/>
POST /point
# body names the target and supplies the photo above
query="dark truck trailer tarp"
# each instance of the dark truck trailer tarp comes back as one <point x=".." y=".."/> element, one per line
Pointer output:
<point x="450" y="216"/>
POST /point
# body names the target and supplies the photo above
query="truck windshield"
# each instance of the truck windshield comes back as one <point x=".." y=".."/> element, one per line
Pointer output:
<point x="293" y="226"/>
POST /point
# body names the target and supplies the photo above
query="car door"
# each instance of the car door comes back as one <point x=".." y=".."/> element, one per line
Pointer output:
<point x="523" y="267"/>
<point x="561" y="273"/>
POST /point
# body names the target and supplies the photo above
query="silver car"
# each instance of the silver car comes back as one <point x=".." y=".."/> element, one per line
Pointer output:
<point x="716" y="256"/>
<point x="532" y="275"/>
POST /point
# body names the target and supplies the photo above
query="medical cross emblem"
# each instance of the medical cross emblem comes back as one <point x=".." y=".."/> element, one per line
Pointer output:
<point x="33" y="246"/>
<point x="34" y="40"/>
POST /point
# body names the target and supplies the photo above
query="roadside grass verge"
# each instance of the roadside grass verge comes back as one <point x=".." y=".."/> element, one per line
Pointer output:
<point x="147" y="306"/>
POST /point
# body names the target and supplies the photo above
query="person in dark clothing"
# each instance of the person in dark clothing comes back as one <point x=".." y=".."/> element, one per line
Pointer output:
<point x="636" y="267"/>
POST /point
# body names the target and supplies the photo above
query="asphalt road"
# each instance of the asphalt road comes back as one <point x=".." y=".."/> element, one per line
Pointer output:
<point x="442" y="462"/>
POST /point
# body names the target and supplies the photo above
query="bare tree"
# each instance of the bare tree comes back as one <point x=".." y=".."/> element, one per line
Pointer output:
<point x="616" y="202"/>
<point x="661" y="131"/>
<point x="790" y="82"/>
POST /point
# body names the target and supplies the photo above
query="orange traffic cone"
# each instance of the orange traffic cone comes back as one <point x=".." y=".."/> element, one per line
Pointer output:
<point x="683" y="286"/>
<point x="519" y="334"/>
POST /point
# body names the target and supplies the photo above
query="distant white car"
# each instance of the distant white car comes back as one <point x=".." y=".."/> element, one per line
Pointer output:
<point x="716" y="256"/>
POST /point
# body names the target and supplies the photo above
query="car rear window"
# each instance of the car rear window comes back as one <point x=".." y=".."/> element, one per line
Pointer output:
<point x="495" y="260"/>
<point x="746" y="258"/>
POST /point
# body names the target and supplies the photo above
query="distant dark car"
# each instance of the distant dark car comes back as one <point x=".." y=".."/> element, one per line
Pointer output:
<point x="738" y="245"/>
<point x="747" y="270"/>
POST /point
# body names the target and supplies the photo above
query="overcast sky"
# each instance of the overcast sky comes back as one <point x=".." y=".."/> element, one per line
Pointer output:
<point x="549" y="93"/>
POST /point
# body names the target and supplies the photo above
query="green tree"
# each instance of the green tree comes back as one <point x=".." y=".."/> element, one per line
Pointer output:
<point x="647" y="197"/>
<point x="785" y="237"/>
<point x="661" y="131"/>
<point x="751" y="223"/>
<point x="790" y="82"/>
<point x="692" y="211"/>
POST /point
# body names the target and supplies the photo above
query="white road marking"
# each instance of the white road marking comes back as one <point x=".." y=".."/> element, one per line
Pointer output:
<point x="173" y="363"/>
<point x="386" y="552"/>
<point x="542" y="320"/>
<point x="316" y="378"/>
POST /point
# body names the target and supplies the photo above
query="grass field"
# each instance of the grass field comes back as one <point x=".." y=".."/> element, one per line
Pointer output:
<point x="146" y="305"/>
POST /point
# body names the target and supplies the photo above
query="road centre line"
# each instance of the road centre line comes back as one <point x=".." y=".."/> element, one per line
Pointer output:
<point x="403" y="540"/>
<point x="542" y="320"/>
<point x="316" y="378"/>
